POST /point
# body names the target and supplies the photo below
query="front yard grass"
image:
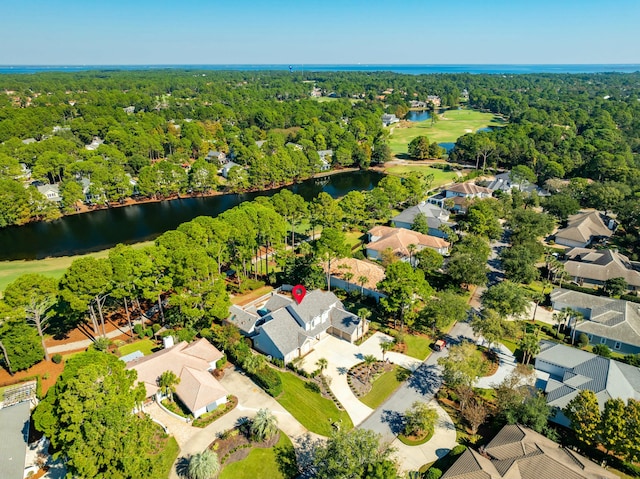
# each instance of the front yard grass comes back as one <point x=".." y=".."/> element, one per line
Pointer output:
<point x="313" y="411"/>
<point x="383" y="386"/>
<point x="167" y="457"/>
<point x="418" y="347"/>
<point x="259" y="464"/>
<point x="145" y="346"/>
<point x="440" y="177"/>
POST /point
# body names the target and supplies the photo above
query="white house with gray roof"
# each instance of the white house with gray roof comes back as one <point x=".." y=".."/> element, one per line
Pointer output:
<point x="281" y="328"/>
<point x="612" y="322"/>
<point x="572" y="370"/>
<point x="435" y="215"/>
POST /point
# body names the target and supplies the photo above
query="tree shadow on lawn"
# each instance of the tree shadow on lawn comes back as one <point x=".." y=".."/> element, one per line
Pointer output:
<point x="425" y="380"/>
<point x="394" y="419"/>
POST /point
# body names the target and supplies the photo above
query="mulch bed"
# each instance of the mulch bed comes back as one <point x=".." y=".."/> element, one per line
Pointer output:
<point x="359" y="382"/>
<point x="235" y="445"/>
<point x="492" y="361"/>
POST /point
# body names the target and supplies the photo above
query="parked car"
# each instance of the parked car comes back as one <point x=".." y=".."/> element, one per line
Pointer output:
<point x="440" y="344"/>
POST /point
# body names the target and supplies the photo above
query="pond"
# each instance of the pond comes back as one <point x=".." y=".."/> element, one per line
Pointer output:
<point x="102" y="229"/>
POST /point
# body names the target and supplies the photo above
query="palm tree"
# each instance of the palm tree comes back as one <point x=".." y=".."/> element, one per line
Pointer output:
<point x="322" y="364"/>
<point x="577" y="317"/>
<point x="386" y="346"/>
<point x="168" y="382"/>
<point x="204" y="465"/>
<point x="530" y="347"/>
<point x="411" y="248"/>
<point x="559" y="318"/>
<point x="264" y="425"/>
<point x="348" y="276"/>
<point x="369" y="361"/>
<point x="362" y="280"/>
<point x="254" y="363"/>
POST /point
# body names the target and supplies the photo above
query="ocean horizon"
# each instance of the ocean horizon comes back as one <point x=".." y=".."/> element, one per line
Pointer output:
<point x="408" y="69"/>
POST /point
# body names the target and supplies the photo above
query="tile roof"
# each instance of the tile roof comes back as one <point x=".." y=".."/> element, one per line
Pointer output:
<point x="357" y="267"/>
<point x="583" y="227"/>
<point x="469" y="189"/>
<point x="601" y="265"/>
<point x="198" y="388"/>
<point x="518" y="452"/>
<point x="398" y="240"/>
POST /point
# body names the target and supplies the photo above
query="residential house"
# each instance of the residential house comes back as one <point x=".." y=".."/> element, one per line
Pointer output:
<point x="224" y="171"/>
<point x="28" y="141"/>
<point x="460" y="195"/>
<point x="612" y="322"/>
<point x="14" y="430"/>
<point x="389" y="119"/>
<point x="216" y="157"/>
<point x="436" y="217"/>
<point x="129" y="110"/>
<point x="325" y="159"/>
<point x="434" y="100"/>
<point x="281" y="328"/>
<point x="50" y="192"/>
<point x="95" y="144"/>
<point x="398" y="240"/>
<point x="295" y="146"/>
<point x="594" y="267"/>
<point x="259" y="143"/>
<point x="518" y="452"/>
<point x="418" y="104"/>
<point x="503" y="182"/>
<point x="572" y="370"/>
<point x="198" y="390"/>
<point x="348" y="273"/>
<point x="583" y="229"/>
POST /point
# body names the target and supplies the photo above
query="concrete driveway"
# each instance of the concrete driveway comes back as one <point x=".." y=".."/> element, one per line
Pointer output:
<point x="342" y="356"/>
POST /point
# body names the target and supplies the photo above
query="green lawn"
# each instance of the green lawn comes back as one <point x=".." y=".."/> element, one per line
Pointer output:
<point x="313" y="411"/>
<point x="259" y="464"/>
<point x="354" y="238"/>
<point x="418" y="347"/>
<point x="145" y="346"/>
<point x="440" y="177"/>
<point x="167" y="457"/>
<point x="383" y="386"/>
<point x="452" y="125"/>
<point x="53" y="267"/>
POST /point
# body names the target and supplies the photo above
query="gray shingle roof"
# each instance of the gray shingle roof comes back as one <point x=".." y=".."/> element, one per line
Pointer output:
<point x="601" y="265"/>
<point x="314" y="304"/>
<point x="242" y="319"/>
<point x="277" y="301"/>
<point x="608" y="318"/>
<point x="436" y="216"/>
<point x="344" y="321"/>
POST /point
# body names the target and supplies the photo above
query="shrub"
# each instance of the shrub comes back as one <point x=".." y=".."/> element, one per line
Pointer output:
<point x="583" y="340"/>
<point x="311" y="386"/>
<point x="433" y="473"/>
<point x="138" y="329"/>
<point x="459" y="449"/>
<point x="56" y="358"/>
<point x="268" y="380"/>
<point x="186" y="334"/>
<point x="156" y="327"/>
<point x="602" y="350"/>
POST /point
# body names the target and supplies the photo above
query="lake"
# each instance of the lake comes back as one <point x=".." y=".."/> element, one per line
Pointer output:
<point x="102" y="229"/>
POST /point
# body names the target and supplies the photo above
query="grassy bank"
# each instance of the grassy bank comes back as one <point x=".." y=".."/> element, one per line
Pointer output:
<point x="53" y="267"/>
<point x="440" y="177"/>
<point x="451" y="126"/>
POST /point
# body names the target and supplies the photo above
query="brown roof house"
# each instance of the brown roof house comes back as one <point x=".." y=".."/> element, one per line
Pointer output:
<point x="612" y="322"/>
<point x="198" y="390"/>
<point x="595" y="267"/>
<point x="461" y="195"/>
<point x="398" y="240"/>
<point x="347" y="273"/>
<point x="572" y="370"/>
<point x="518" y="452"/>
<point x="281" y="328"/>
<point x="582" y="229"/>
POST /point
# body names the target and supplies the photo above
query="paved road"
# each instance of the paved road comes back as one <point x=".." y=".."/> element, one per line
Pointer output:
<point x="421" y="386"/>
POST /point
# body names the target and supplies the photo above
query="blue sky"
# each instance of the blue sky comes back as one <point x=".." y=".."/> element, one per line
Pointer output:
<point x="107" y="32"/>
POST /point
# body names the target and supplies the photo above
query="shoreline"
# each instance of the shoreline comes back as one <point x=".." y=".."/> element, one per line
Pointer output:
<point x="144" y="200"/>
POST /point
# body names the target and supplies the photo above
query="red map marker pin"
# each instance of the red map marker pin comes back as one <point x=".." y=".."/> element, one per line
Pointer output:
<point x="298" y="293"/>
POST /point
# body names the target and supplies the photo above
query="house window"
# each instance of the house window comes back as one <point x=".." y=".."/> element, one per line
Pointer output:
<point x="590" y="336"/>
<point x="603" y="340"/>
<point x="617" y="345"/>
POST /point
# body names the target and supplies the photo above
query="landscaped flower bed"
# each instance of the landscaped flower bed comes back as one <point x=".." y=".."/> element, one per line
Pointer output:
<point x="361" y="376"/>
<point x="235" y="444"/>
<point x="209" y="417"/>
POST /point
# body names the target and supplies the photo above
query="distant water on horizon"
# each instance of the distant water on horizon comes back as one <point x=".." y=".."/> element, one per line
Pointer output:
<point x="404" y="69"/>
